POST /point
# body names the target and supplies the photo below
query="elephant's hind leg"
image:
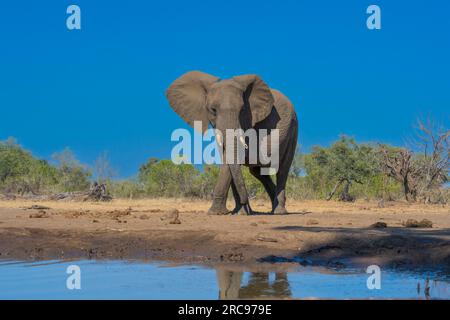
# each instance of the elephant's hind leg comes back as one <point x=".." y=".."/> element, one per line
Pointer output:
<point x="266" y="181"/>
<point x="280" y="197"/>
<point x="282" y="176"/>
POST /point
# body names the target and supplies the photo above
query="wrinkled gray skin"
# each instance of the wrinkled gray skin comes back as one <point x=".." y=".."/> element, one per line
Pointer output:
<point x="240" y="102"/>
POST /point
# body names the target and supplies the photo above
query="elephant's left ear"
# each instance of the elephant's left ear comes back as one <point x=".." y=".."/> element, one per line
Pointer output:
<point x="258" y="94"/>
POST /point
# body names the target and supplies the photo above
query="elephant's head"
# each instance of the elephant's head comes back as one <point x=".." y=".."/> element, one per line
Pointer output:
<point x="234" y="103"/>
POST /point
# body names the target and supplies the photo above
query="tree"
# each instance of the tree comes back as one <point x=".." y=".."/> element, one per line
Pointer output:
<point x="73" y="175"/>
<point x="14" y="161"/>
<point x="298" y="163"/>
<point x="345" y="162"/>
<point x="208" y="179"/>
<point x="399" y="164"/>
<point x="22" y="173"/>
<point x="103" y="170"/>
<point x="432" y="142"/>
<point x="422" y="171"/>
<point x="42" y="177"/>
<point x="145" y="169"/>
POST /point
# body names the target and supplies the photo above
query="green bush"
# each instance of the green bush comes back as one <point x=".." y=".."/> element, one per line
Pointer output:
<point x="165" y="179"/>
<point x="341" y="166"/>
<point x="21" y="172"/>
<point x="73" y="176"/>
<point x="130" y="189"/>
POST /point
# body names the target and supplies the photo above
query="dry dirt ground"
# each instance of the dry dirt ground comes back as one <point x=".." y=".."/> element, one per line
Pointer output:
<point x="315" y="232"/>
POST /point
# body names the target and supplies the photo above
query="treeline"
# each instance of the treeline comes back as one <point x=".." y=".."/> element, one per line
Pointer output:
<point x="346" y="170"/>
<point x="22" y="173"/>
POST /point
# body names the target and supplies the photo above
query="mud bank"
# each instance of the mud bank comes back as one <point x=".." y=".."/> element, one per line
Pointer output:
<point x="315" y="232"/>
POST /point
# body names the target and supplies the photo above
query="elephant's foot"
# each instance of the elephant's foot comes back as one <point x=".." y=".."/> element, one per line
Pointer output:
<point x="215" y="212"/>
<point x="218" y="210"/>
<point x="279" y="210"/>
<point x="243" y="210"/>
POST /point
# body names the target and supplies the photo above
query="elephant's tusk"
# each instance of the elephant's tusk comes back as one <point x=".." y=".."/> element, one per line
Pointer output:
<point x="219" y="139"/>
<point x="242" y="140"/>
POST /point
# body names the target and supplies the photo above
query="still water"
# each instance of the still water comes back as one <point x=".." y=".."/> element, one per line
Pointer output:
<point x="138" y="280"/>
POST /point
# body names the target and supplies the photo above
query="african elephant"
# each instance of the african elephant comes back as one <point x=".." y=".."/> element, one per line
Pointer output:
<point x="241" y="102"/>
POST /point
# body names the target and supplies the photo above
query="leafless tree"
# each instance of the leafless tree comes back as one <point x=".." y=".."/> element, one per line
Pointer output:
<point x="103" y="168"/>
<point x="422" y="172"/>
<point x="399" y="165"/>
<point x="432" y="142"/>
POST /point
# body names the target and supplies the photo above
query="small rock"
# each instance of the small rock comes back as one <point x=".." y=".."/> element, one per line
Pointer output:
<point x="379" y="225"/>
<point x="40" y="214"/>
<point x="311" y="222"/>
<point x="266" y="239"/>
<point x="144" y="217"/>
<point x="38" y="207"/>
<point x="172" y="215"/>
<point x="412" y="223"/>
<point x="114" y="229"/>
<point x="175" y="221"/>
<point x="95" y="221"/>
<point x="254" y="224"/>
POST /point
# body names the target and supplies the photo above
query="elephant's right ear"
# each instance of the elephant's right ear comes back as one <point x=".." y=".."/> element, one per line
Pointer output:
<point x="187" y="97"/>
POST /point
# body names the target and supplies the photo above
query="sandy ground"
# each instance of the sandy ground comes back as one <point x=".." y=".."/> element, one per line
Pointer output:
<point x="315" y="232"/>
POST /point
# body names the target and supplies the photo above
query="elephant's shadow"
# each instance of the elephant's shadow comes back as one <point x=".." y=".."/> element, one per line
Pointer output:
<point x="270" y="213"/>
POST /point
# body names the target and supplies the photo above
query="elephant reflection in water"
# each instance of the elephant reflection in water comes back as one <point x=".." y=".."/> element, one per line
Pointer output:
<point x="258" y="285"/>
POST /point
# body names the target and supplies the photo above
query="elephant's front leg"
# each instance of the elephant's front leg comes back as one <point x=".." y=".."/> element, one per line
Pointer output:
<point x="220" y="195"/>
<point x="239" y="208"/>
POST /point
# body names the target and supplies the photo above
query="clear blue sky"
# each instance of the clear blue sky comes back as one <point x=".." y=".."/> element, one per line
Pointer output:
<point x="102" y="88"/>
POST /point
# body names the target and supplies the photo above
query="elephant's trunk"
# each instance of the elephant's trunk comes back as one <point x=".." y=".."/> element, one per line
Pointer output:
<point x="238" y="180"/>
<point x="234" y="164"/>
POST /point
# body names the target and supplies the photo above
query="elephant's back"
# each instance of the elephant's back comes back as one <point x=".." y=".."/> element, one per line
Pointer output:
<point x="283" y="105"/>
<point x="285" y="111"/>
